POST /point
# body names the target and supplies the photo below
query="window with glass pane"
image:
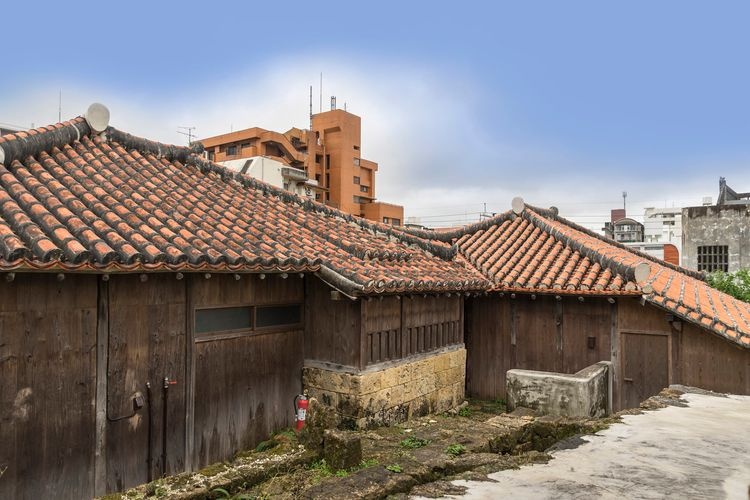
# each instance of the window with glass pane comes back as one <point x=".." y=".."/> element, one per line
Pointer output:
<point x="266" y="316"/>
<point x="222" y="319"/>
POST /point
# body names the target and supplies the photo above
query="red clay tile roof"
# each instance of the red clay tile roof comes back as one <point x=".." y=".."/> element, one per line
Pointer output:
<point x="72" y="200"/>
<point x="537" y="251"/>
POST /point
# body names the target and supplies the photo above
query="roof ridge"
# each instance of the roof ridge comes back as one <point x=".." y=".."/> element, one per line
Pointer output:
<point x="192" y="156"/>
<point x="19" y="145"/>
<point x="552" y="214"/>
<point x="448" y="236"/>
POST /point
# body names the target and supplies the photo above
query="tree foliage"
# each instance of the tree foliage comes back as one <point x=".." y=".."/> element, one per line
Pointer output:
<point x="736" y="284"/>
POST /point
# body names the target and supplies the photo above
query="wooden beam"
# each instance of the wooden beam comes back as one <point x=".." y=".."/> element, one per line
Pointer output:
<point x="102" y="348"/>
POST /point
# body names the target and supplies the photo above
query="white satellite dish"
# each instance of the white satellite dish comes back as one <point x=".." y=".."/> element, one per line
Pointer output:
<point x="518" y="205"/>
<point x="97" y="116"/>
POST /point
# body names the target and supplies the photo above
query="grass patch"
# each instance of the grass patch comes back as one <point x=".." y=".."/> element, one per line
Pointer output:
<point x="413" y="442"/>
<point x="395" y="468"/>
<point x="321" y="468"/>
<point x="464" y="412"/>
<point x="495" y="406"/>
<point x="455" y="450"/>
<point x="370" y="462"/>
<point x="222" y="493"/>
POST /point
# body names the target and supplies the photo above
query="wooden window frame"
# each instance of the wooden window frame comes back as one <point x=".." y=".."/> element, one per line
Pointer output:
<point x="246" y="332"/>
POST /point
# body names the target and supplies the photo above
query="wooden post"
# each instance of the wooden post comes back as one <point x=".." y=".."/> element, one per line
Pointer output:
<point x="102" y="348"/>
<point x="559" y="326"/>
<point x="615" y="358"/>
<point x="189" y="375"/>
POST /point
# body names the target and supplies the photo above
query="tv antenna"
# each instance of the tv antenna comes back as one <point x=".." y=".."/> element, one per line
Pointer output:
<point x="189" y="132"/>
<point x="624" y="198"/>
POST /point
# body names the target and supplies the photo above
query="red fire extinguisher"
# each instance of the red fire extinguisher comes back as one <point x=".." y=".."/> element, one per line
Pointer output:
<point x="300" y="410"/>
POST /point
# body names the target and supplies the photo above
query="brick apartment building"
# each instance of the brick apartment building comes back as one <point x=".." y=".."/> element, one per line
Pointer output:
<point x="324" y="163"/>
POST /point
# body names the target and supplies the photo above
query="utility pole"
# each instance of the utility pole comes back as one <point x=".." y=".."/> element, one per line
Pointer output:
<point x="624" y="198"/>
<point x="188" y="131"/>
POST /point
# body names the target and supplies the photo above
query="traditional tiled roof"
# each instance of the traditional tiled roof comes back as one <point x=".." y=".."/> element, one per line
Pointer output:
<point x="535" y="251"/>
<point x="74" y="200"/>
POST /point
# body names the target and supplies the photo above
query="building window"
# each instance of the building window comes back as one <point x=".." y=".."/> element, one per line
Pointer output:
<point x="356" y="180"/>
<point x="364" y="189"/>
<point x="245" y="145"/>
<point x="328" y="162"/>
<point x="245" y="318"/>
<point x="356" y="162"/>
<point x="318" y="158"/>
<point x="231" y="150"/>
<point x="386" y="220"/>
<point x="211" y="155"/>
<point x="317" y="196"/>
<point x="286" y="315"/>
<point x="396" y="222"/>
<point x="223" y="319"/>
<point x="359" y="199"/>
<point x="328" y="180"/>
<point x="713" y="258"/>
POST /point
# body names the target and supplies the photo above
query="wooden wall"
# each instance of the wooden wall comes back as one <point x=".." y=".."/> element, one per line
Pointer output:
<point x="244" y="385"/>
<point x="542" y="334"/>
<point x="702" y="359"/>
<point x="332" y="327"/>
<point x="398" y="327"/>
<point x="47" y="386"/>
<point x="647" y="351"/>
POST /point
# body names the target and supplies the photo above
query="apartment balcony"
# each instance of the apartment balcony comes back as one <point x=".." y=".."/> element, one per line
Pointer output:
<point x="294" y="174"/>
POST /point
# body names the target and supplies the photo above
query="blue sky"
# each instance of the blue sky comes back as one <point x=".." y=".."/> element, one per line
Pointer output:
<point x="564" y="103"/>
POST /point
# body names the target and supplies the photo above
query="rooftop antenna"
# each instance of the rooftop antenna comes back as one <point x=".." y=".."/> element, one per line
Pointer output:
<point x="624" y="198"/>
<point x="311" y="107"/>
<point x="333" y="102"/>
<point x="188" y="131"/>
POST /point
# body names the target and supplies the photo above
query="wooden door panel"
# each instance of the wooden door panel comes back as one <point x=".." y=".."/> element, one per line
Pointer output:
<point x="146" y="344"/>
<point x="645" y="366"/>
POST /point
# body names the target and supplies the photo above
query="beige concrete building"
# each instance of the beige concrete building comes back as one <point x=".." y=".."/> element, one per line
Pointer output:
<point x="324" y="163"/>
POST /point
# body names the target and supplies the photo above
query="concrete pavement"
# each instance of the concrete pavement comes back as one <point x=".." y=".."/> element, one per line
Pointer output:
<point x="698" y="451"/>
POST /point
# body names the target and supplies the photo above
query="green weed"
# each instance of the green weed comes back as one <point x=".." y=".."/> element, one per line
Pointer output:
<point x="455" y="450"/>
<point x="413" y="442"/>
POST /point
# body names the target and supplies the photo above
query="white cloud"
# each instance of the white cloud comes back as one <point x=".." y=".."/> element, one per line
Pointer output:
<point x="422" y="125"/>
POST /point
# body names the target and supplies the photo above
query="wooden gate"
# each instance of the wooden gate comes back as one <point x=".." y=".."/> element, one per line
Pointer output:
<point x="645" y="366"/>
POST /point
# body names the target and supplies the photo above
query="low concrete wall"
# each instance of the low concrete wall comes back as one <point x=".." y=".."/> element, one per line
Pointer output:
<point x="587" y="393"/>
<point x="392" y="392"/>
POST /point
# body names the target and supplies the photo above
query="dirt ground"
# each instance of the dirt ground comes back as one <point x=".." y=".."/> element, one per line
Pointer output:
<point x="418" y="457"/>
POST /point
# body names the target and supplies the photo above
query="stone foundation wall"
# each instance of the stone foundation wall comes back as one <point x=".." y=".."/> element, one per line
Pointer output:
<point x="430" y="383"/>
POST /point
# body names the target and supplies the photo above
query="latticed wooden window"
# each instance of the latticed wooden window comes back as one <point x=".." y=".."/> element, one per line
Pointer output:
<point x="713" y="258"/>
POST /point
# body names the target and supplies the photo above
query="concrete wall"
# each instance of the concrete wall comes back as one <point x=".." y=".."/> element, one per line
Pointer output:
<point x="717" y="225"/>
<point x="389" y="393"/>
<point x="584" y="394"/>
